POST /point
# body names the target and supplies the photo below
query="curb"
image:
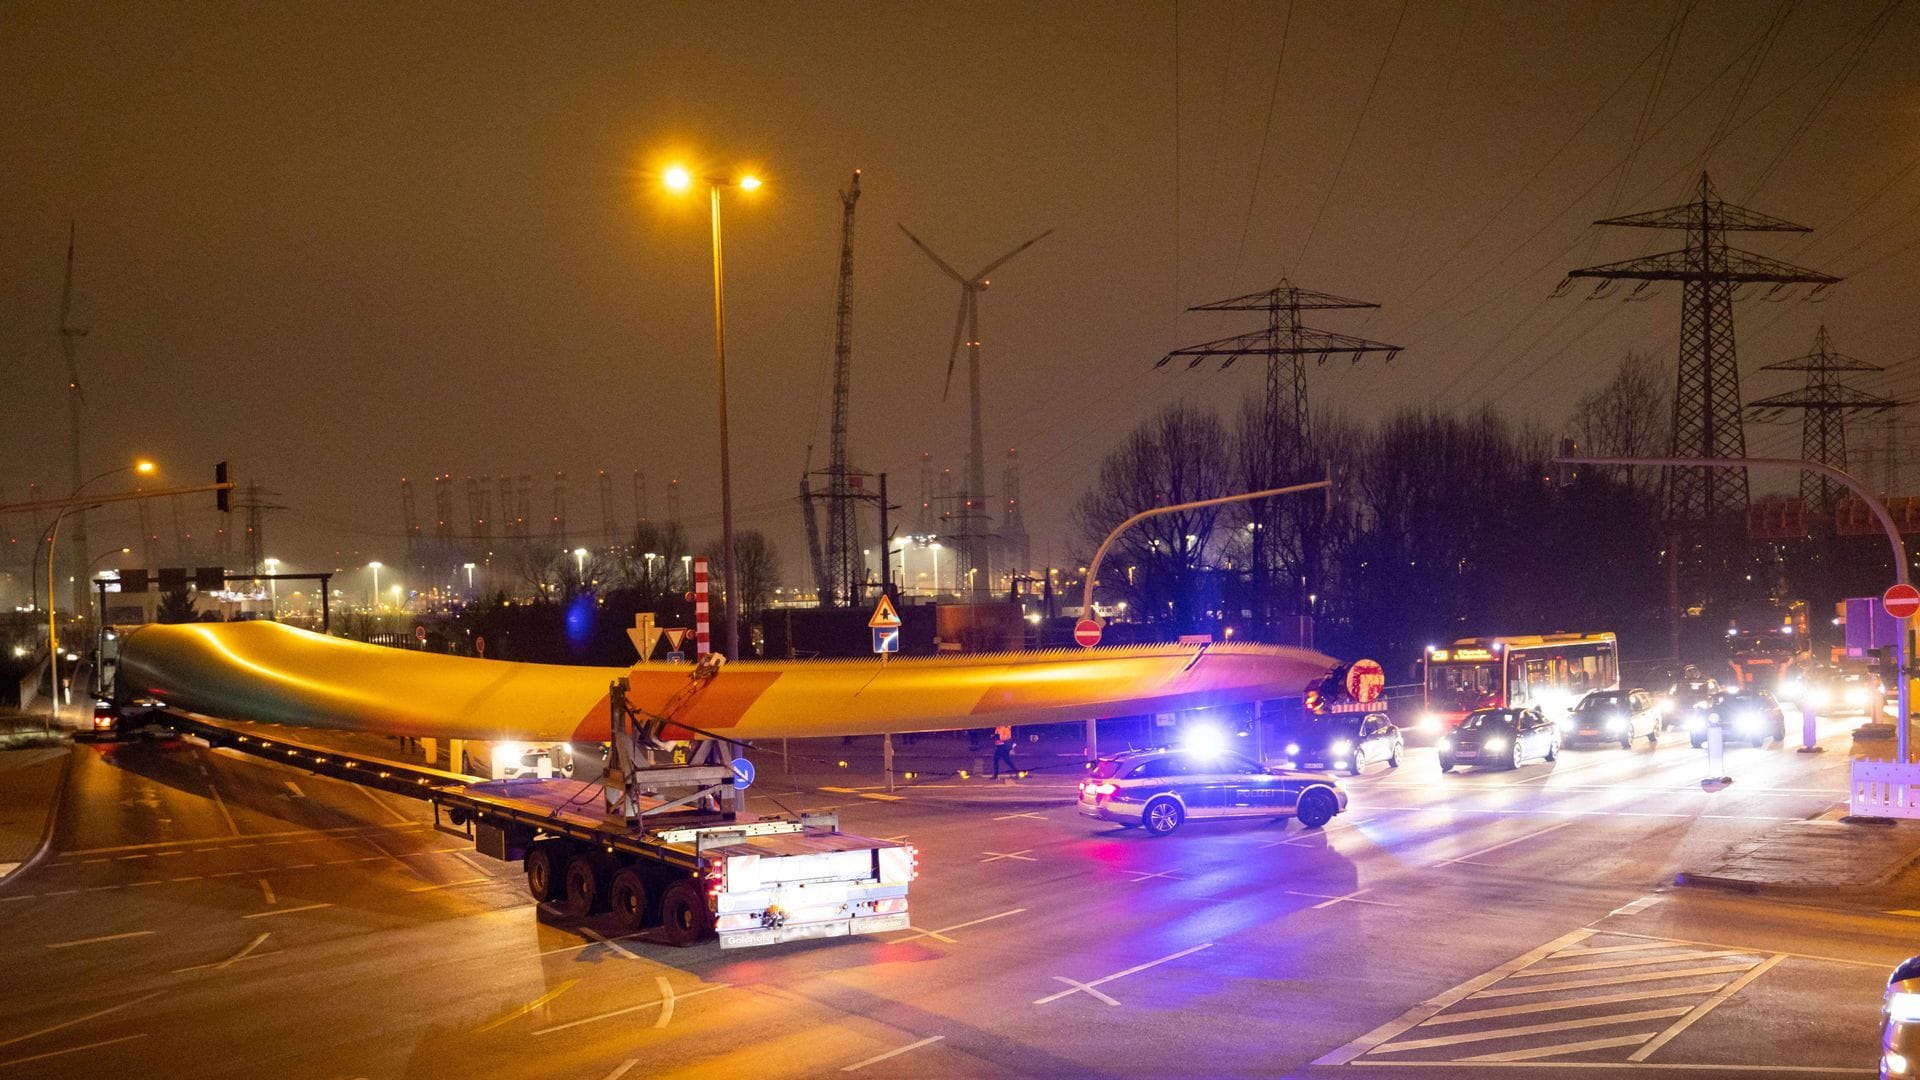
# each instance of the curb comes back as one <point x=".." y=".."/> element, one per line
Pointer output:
<point x="46" y="831"/>
<point x="1690" y="879"/>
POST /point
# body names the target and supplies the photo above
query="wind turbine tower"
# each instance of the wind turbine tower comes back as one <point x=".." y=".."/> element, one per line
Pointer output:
<point x="977" y="526"/>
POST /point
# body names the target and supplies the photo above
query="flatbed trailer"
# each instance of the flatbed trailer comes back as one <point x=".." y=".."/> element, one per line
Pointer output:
<point x="687" y="871"/>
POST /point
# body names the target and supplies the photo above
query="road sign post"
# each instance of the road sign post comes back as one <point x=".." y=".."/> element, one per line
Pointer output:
<point x="1717" y="751"/>
<point x="1900" y="601"/>
<point x="1809" y="736"/>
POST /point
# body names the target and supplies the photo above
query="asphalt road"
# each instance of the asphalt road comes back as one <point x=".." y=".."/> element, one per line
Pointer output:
<point x="202" y="913"/>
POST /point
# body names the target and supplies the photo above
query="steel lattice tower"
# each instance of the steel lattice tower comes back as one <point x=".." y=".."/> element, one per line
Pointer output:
<point x="1282" y="451"/>
<point x="1825" y="403"/>
<point x="846" y="569"/>
<point x="1706" y="402"/>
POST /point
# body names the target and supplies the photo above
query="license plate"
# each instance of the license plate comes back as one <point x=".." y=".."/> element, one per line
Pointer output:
<point x="1589" y="731"/>
<point x="1313" y="765"/>
<point x="1466" y="753"/>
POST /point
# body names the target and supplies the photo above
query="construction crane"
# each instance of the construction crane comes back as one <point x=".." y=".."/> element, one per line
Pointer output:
<point x="841" y="572"/>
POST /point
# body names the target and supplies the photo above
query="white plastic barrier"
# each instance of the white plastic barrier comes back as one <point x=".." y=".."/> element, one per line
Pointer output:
<point x="1884" y="789"/>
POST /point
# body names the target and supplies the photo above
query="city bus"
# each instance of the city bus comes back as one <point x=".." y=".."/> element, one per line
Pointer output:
<point x="1551" y="672"/>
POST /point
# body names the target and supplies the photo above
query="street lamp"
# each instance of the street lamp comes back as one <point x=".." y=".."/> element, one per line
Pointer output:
<point x="650" y="556"/>
<point x="686" y="571"/>
<point x="375" y="567"/>
<point x="396" y="597"/>
<point x="53" y="534"/>
<point x="935" y="548"/>
<point x="580" y="564"/>
<point x="679" y="179"/>
<point x="273" y="585"/>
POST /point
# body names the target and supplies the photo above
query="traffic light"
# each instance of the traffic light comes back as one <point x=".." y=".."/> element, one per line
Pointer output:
<point x="223" y="498"/>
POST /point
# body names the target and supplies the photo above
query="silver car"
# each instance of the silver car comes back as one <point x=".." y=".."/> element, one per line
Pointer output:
<point x="1161" y="789"/>
<point x="1900" y="1023"/>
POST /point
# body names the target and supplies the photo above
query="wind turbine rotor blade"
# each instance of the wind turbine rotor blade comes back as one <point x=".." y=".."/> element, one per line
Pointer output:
<point x="959" y="331"/>
<point x="995" y="264"/>
<point x="937" y="260"/>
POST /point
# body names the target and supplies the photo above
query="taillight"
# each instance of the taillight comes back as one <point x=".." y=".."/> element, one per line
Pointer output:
<point x="913" y="857"/>
<point x="1101" y="788"/>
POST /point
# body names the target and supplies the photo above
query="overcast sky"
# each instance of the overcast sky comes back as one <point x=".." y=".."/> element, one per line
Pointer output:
<point x="339" y="244"/>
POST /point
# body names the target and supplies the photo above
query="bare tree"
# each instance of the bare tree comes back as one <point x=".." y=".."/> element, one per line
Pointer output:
<point x="1180" y="455"/>
<point x="1631" y="416"/>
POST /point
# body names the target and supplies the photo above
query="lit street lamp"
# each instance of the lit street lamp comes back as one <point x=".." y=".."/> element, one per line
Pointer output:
<point x="53" y="535"/>
<point x="935" y="548"/>
<point x="580" y="564"/>
<point x="375" y="567"/>
<point x="273" y="586"/>
<point x="679" y="179"/>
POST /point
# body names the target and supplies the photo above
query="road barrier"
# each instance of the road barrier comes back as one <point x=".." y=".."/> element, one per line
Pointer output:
<point x="1884" y="789"/>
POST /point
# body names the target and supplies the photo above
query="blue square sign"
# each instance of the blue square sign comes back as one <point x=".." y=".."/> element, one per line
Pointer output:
<point x="886" y="639"/>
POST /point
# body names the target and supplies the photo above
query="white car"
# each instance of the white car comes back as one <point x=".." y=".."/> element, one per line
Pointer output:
<point x="1612" y="716"/>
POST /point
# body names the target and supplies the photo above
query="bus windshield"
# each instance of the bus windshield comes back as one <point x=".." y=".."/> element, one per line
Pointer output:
<point x="1463" y="687"/>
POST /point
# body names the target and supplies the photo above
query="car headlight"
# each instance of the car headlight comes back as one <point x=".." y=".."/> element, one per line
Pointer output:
<point x="1494" y="745"/>
<point x="1445" y="745"/>
<point x="1566" y="723"/>
<point x="1293" y="749"/>
<point x="1893" y="1063"/>
<point x="1696" y="722"/>
<point x="1747" y="722"/>
<point x="1342" y="747"/>
<point x="1857" y="696"/>
<point x="1430" y="724"/>
<point x="1903" y="1007"/>
<point x="1618" y="723"/>
<point x="1820" y="696"/>
<point x="1667" y="705"/>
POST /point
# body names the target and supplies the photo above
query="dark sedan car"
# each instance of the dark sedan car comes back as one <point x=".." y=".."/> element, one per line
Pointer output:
<point x="1500" y="737"/>
<point x="1751" y="716"/>
<point x="1160" y="789"/>
<point x="1346" y="743"/>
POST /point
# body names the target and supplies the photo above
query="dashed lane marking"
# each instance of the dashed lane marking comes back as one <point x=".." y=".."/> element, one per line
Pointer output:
<point x="286" y="911"/>
<point x="72" y="1049"/>
<point x="108" y="1011"/>
<point x="896" y="1052"/>
<point x="267" y="891"/>
<point x="621" y="1069"/>
<point x="99" y="940"/>
<point x="628" y="1010"/>
<point x="945" y="930"/>
<point x="1074" y="986"/>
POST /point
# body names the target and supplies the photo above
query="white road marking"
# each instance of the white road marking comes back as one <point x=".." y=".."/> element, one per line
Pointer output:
<point x="1439" y="1002"/>
<point x="1530" y="1029"/>
<point x="621" y="1070"/>
<point x="528" y="1007"/>
<point x="253" y="838"/>
<point x="666" y="1001"/>
<point x="1758" y="952"/>
<point x="1141" y="875"/>
<point x="1088" y="986"/>
<point x="222" y="804"/>
<point x="72" y="1050"/>
<point x="1509" y="843"/>
<point x="1705" y="1007"/>
<point x="285" y="911"/>
<point x="295" y="788"/>
<point x="377" y="801"/>
<point x="610" y="943"/>
<point x="943" y="931"/>
<point x="893" y="1053"/>
<point x="98" y="940"/>
<point x="1568" y="1003"/>
<point x="267" y="890"/>
<point x="1350" y="898"/>
<point x="1557" y="1049"/>
<point x="1616" y="980"/>
<point x="81" y="1019"/>
<point x="629" y="1009"/>
<point x="1631" y="961"/>
<point x="448" y="885"/>
<point x="474" y="866"/>
<point x="242" y="954"/>
<point x="996" y="856"/>
<point x="1010" y="817"/>
<point x="880" y="796"/>
<point x="1648" y="947"/>
<point x="1636" y="907"/>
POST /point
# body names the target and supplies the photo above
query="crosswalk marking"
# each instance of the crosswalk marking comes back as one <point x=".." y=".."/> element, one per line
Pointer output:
<point x="1534" y="1029"/>
<point x="1569" y="1003"/>
<point x="1637" y="961"/>
<point x="1617" y="980"/>
<point x="1563" y="1048"/>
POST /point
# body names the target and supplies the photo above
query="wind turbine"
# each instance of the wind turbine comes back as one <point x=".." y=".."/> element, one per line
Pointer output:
<point x="967" y="323"/>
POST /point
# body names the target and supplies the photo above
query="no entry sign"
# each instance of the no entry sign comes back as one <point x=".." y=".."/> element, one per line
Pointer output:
<point x="1901" y="601"/>
<point x="1086" y="632"/>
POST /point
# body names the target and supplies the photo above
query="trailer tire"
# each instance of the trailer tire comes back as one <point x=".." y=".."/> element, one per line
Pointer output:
<point x="628" y="896"/>
<point x="546" y="862"/>
<point x="586" y="885"/>
<point x="684" y="915"/>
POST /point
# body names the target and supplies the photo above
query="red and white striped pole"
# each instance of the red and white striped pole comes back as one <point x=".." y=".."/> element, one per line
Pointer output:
<point x="702" y="619"/>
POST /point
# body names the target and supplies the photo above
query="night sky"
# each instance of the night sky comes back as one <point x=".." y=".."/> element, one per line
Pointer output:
<point x="340" y="244"/>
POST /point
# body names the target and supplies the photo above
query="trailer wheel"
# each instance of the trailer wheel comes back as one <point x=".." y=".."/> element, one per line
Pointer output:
<point x="684" y="916"/>
<point x="586" y="886"/>
<point x="628" y="897"/>
<point x="545" y="858"/>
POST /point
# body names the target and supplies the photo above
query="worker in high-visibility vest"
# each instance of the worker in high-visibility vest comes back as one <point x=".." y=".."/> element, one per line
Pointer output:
<point x="1003" y="751"/>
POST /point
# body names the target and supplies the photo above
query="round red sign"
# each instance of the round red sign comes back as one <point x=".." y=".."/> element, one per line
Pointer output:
<point x="1087" y="633"/>
<point x="1366" y="679"/>
<point x="1901" y="601"/>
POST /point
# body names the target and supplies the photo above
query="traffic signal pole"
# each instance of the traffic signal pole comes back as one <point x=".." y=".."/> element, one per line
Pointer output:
<point x="1903" y="664"/>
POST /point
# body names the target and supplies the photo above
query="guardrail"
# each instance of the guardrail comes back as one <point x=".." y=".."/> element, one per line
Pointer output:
<point x="1884" y="789"/>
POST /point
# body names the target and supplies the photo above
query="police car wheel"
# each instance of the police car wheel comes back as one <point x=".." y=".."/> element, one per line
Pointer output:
<point x="1162" y="816"/>
<point x="1317" y="807"/>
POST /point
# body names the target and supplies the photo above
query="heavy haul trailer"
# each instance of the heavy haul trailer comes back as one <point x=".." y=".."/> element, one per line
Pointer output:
<point x="690" y="871"/>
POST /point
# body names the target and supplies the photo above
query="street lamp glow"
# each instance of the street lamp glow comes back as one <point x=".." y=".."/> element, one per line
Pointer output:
<point x="144" y="468"/>
<point x="749" y="183"/>
<point x="677" y="178"/>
